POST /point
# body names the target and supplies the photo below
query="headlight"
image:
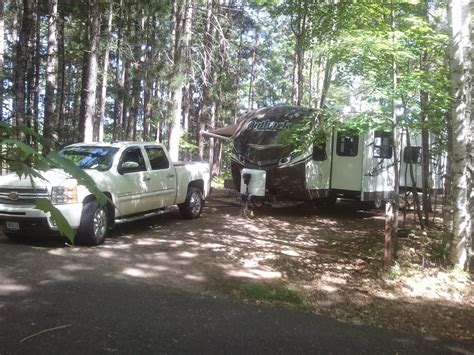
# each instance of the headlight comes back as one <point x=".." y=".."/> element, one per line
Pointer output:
<point x="61" y="195"/>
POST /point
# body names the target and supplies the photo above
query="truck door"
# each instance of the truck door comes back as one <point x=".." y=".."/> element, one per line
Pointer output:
<point x="132" y="188"/>
<point x="162" y="185"/>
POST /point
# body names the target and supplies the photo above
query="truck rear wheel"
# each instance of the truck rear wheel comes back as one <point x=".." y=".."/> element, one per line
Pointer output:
<point x="192" y="207"/>
<point x="94" y="224"/>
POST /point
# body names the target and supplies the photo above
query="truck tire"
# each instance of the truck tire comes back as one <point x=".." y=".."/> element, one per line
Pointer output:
<point x="94" y="224"/>
<point x="192" y="207"/>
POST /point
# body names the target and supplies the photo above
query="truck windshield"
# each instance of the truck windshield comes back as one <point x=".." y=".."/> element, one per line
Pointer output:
<point x="98" y="158"/>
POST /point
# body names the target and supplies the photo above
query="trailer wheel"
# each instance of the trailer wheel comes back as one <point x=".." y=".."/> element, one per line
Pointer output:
<point x="192" y="207"/>
<point x="379" y="204"/>
<point x="330" y="200"/>
<point x="94" y="224"/>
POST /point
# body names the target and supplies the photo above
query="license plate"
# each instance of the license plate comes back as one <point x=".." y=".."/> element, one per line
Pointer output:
<point x="13" y="225"/>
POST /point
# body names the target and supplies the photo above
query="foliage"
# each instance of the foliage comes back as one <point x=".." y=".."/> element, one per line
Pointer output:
<point x="26" y="161"/>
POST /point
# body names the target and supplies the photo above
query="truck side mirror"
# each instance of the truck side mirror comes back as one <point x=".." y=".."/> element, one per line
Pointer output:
<point x="128" y="166"/>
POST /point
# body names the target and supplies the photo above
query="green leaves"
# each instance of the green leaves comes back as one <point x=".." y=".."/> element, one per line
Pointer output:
<point x="78" y="174"/>
<point x="63" y="226"/>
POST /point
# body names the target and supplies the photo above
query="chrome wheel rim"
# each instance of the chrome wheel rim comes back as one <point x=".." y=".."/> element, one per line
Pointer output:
<point x="195" y="203"/>
<point x="100" y="223"/>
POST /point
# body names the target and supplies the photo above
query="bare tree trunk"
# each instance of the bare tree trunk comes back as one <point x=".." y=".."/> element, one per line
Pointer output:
<point x="391" y="216"/>
<point x="2" y="54"/>
<point x="62" y="80"/>
<point x="89" y="75"/>
<point x="205" y="105"/>
<point x="99" y="125"/>
<point x="252" y="69"/>
<point x="148" y="80"/>
<point x="21" y="65"/>
<point x="299" y="30"/>
<point x="119" y="79"/>
<point x="459" y="19"/>
<point x="125" y="120"/>
<point x="184" y="14"/>
<point x="50" y="114"/>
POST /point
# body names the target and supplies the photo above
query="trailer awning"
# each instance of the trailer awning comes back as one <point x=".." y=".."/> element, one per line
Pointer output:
<point x="225" y="133"/>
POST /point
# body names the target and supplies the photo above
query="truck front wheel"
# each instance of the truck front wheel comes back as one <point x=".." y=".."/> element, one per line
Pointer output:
<point x="192" y="207"/>
<point x="94" y="224"/>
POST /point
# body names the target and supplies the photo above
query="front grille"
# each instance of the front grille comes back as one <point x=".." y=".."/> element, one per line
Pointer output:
<point x="21" y="196"/>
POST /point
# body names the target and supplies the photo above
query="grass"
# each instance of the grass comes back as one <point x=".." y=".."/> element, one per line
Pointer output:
<point x="286" y="293"/>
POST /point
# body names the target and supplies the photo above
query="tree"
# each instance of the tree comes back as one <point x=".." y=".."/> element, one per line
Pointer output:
<point x="89" y="74"/>
<point x="99" y="124"/>
<point x="22" y="61"/>
<point x="50" y="113"/>
<point x="460" y="236"/>
<point x="183" y="16"/>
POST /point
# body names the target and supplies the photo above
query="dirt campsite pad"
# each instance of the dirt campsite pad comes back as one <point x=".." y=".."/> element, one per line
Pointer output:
<point x="323" y="261"/>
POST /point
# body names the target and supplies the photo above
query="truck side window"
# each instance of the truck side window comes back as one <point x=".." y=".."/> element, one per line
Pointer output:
<point x="412" y="155"/>
<point x="157" y="157"/>
<point x="134" y="160"/>
<point x="347" y="146"/>
<point x="383" y="145"/>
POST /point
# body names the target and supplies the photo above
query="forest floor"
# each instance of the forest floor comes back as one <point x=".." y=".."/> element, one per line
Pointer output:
<point x="330" y="261"/>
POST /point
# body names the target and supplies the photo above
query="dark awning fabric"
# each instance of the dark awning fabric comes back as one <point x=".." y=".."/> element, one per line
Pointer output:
<point x="275" y="113"/>
<point x="225" y="133"/>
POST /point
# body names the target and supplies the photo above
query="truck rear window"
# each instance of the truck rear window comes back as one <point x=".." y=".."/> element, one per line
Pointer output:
<point x="98" y="158"/>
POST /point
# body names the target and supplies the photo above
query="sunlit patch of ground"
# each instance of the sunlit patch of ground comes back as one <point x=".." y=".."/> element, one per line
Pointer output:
<point x="329" y="261"/>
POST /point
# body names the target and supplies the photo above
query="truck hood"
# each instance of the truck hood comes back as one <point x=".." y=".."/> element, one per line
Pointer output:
<point x="53" y="177"/>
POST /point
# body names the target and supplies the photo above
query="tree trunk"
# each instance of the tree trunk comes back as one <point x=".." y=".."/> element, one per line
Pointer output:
<point x="459" y="20"/>
<point x="391" y="219"/>
<point x="125" y="120"/>
<point x="119" y="80"/>
<point x="89" y="75"/>
<point x="21" y="65"/>
<point x="62" y="80"/>
<point x="299" y="30"/>
<point x="183" y="13"/>
<point x="50" y="114"/>
<point x="205" y="104"/>
<point x="99" y="124"/>
<point x="2" y="54"/>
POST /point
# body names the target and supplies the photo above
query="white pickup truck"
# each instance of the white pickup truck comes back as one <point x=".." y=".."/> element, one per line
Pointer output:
<point x="138" y="177"/>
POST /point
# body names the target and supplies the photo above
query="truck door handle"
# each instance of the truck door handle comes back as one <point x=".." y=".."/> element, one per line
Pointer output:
<point x="170" y="175"/>
<point x="146" y="178"/>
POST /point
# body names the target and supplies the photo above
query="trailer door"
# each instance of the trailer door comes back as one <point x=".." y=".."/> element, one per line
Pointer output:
<point x="346" y="163"/>
<point x="378" y="168"/>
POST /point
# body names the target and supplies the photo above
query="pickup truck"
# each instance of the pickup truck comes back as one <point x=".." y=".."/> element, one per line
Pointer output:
<point x="138" y="178"/>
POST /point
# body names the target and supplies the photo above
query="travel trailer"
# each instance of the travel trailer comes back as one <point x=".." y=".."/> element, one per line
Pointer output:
<point x="411" y="156"/>
<point x="268" y="165"/>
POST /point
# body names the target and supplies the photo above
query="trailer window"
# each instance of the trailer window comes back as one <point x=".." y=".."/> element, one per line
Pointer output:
<point x="347" y="146"/>
<point x="319" y="151"/>
<point x="412" y="155"/>
<point x="157" y="157"/>
<point x="383" y="147"/>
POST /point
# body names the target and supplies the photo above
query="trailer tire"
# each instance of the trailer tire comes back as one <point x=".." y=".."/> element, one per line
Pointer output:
<point x="379" y="204"/>
<point x="191" y="208"/>
<point x="94" y="224"/>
